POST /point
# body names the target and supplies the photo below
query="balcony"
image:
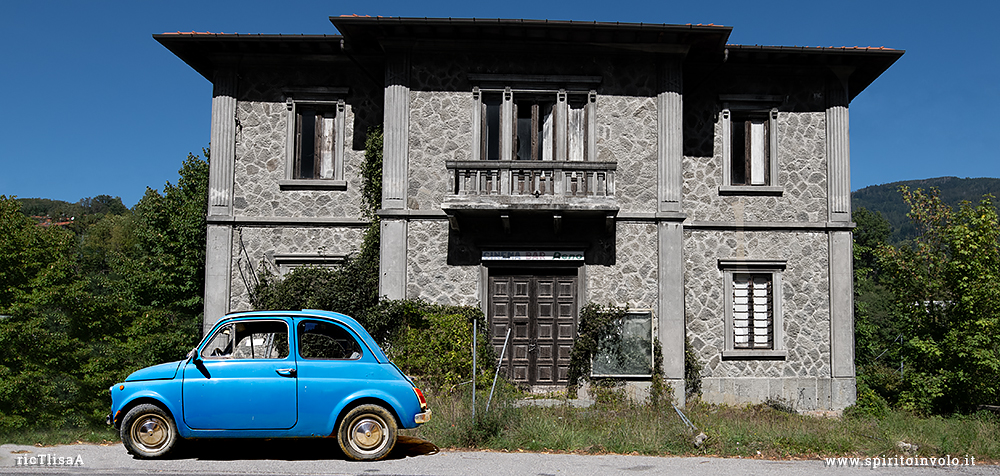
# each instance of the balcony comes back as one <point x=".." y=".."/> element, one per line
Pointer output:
<point x="531" y="185"/>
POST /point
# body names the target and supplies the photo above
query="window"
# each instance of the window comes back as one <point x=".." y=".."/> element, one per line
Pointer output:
<point x="749" y="150"/>
<point x="314" y="147"/>
<point x="324" y="340"/>
<point x="248" y="340"/>
<point x="315" y="142"/>
<point x="754" y="322"/>
<point x="753" y="311"/>
<point x="542" y="118"/>
<point x="628" y="350"/>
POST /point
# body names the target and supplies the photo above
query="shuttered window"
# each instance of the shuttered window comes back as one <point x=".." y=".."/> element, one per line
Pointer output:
<point x="753" y="312"/>
<point x="754" y="324"/>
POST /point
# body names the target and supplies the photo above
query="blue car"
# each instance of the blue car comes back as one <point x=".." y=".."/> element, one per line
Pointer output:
<point x="272" y="374"/>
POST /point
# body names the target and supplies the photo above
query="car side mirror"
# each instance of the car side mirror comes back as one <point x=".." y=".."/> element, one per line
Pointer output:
<point x="194" y="356"/>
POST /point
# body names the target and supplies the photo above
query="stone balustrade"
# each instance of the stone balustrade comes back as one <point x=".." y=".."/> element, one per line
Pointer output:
<point x="521" y="178"/>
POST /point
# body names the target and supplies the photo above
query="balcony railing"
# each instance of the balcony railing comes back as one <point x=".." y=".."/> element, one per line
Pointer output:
<point x="532" y="178"/>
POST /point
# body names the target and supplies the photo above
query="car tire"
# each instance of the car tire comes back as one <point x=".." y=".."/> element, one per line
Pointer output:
<point x="148" y="431"/>
<point x="367" y="433"/>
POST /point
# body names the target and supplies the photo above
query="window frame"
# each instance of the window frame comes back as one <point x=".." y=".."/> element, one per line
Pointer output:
<point x="774" y="268"/>
<point x="326" y="100"/>
<point x="234" y="343"/>
<point x="748" y="107"/>
<point x="298" y="341"/>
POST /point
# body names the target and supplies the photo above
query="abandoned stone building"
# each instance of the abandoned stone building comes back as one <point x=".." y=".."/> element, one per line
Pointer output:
<point x="532" y="167"/>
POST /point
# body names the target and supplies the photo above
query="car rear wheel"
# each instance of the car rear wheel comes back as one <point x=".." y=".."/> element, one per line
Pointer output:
<point x="367" y="432"/>
<point x="148" y="431"/>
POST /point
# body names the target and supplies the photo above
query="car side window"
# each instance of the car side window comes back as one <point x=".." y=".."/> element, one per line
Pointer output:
<point x="324" y="340"/>
<point x="248" y="340"/>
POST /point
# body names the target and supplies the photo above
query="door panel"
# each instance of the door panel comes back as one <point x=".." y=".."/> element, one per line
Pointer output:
<point x="541" y="310"/>
<point x="244" y="381"/>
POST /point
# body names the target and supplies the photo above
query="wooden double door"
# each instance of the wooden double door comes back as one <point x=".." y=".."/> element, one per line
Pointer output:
<point x="541" y="311"/>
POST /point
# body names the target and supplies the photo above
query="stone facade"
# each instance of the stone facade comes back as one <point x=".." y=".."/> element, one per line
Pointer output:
<point x="646" y="221"/>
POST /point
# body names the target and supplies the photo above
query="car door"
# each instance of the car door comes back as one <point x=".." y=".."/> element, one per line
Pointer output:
<point x="245" y="379"/>
<point x="332" y="365"/>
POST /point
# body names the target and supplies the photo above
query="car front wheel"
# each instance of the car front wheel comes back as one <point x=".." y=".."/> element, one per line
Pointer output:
<point x="148" y="431"/>
<point x="367" y="432"/>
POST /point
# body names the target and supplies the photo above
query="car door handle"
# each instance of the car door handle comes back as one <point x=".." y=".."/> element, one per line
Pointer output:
<point x="286" y="372"/>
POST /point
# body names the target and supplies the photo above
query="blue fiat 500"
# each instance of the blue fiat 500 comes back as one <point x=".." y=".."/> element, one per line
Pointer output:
<point x="273" y="374"/>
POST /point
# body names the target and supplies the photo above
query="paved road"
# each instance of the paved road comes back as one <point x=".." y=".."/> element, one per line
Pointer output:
<point x="412" y="457"/>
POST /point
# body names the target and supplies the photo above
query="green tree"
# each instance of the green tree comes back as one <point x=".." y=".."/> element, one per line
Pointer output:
<point x="947" y="301"/>
<point x="37" y="354"/>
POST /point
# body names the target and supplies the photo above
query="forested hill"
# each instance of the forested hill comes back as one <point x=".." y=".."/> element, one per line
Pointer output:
<point x="886" y="198"/>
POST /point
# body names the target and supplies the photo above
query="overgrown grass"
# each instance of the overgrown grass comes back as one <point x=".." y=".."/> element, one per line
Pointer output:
<point x="756" y="431"/>
<point x="614" y="425"/>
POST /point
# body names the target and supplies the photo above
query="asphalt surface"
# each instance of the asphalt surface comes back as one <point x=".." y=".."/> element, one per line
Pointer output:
<point x="411" y="457"/>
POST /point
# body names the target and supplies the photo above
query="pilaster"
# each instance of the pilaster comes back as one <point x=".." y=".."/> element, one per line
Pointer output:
<point x="392" y="262"/>
<point x="218" y="273"/>
<point x="669" y="137"/>
<point x="670" y="306"/>
<point x="838" y="151"/>
<point x="219" y="237"/>
<point x="397" y="126"/>
<point x="223" y="141"/>
<point x="841" y="304"/>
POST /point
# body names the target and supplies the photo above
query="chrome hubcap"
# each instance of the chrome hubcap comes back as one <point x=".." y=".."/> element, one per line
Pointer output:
<point x="368" y="434"/>
<point x="150" y="431"/>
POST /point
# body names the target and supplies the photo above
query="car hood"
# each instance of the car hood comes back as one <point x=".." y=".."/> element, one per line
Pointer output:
<point x="165" y="371"/>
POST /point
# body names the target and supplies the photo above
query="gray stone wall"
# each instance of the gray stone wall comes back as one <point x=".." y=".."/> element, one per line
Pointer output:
<point x="632" y="280"/>
<point x="428" y="275"/>
<point x="804" y="376"/>
<point x="261" y="155"/>
<point x="805" y="299"/>
<point x="440" y="130"/>
<point x="801" y="173"/>
<point x="626" y="133"/>
<point x="254" y="249"/>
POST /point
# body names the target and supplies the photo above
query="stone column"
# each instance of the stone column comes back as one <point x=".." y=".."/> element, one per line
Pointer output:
<point x="838" y="153"/>
<point x="392" y="261"/>
<point x="219" y="246"/>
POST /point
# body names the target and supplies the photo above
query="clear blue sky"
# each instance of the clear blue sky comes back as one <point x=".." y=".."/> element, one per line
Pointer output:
<point x="93" y="105"/>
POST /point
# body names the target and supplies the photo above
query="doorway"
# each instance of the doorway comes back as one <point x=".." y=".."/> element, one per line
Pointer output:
<point x="540" y="308"/>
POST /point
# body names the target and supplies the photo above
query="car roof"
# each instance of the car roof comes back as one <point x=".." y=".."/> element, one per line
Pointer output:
<point x="344" y="319"/>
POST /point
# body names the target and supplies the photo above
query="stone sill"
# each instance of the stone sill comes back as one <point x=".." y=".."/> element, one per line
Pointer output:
<point x="750" y="190"/>
<point x="312" y="184"/>
<point x="741" y="354"/>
